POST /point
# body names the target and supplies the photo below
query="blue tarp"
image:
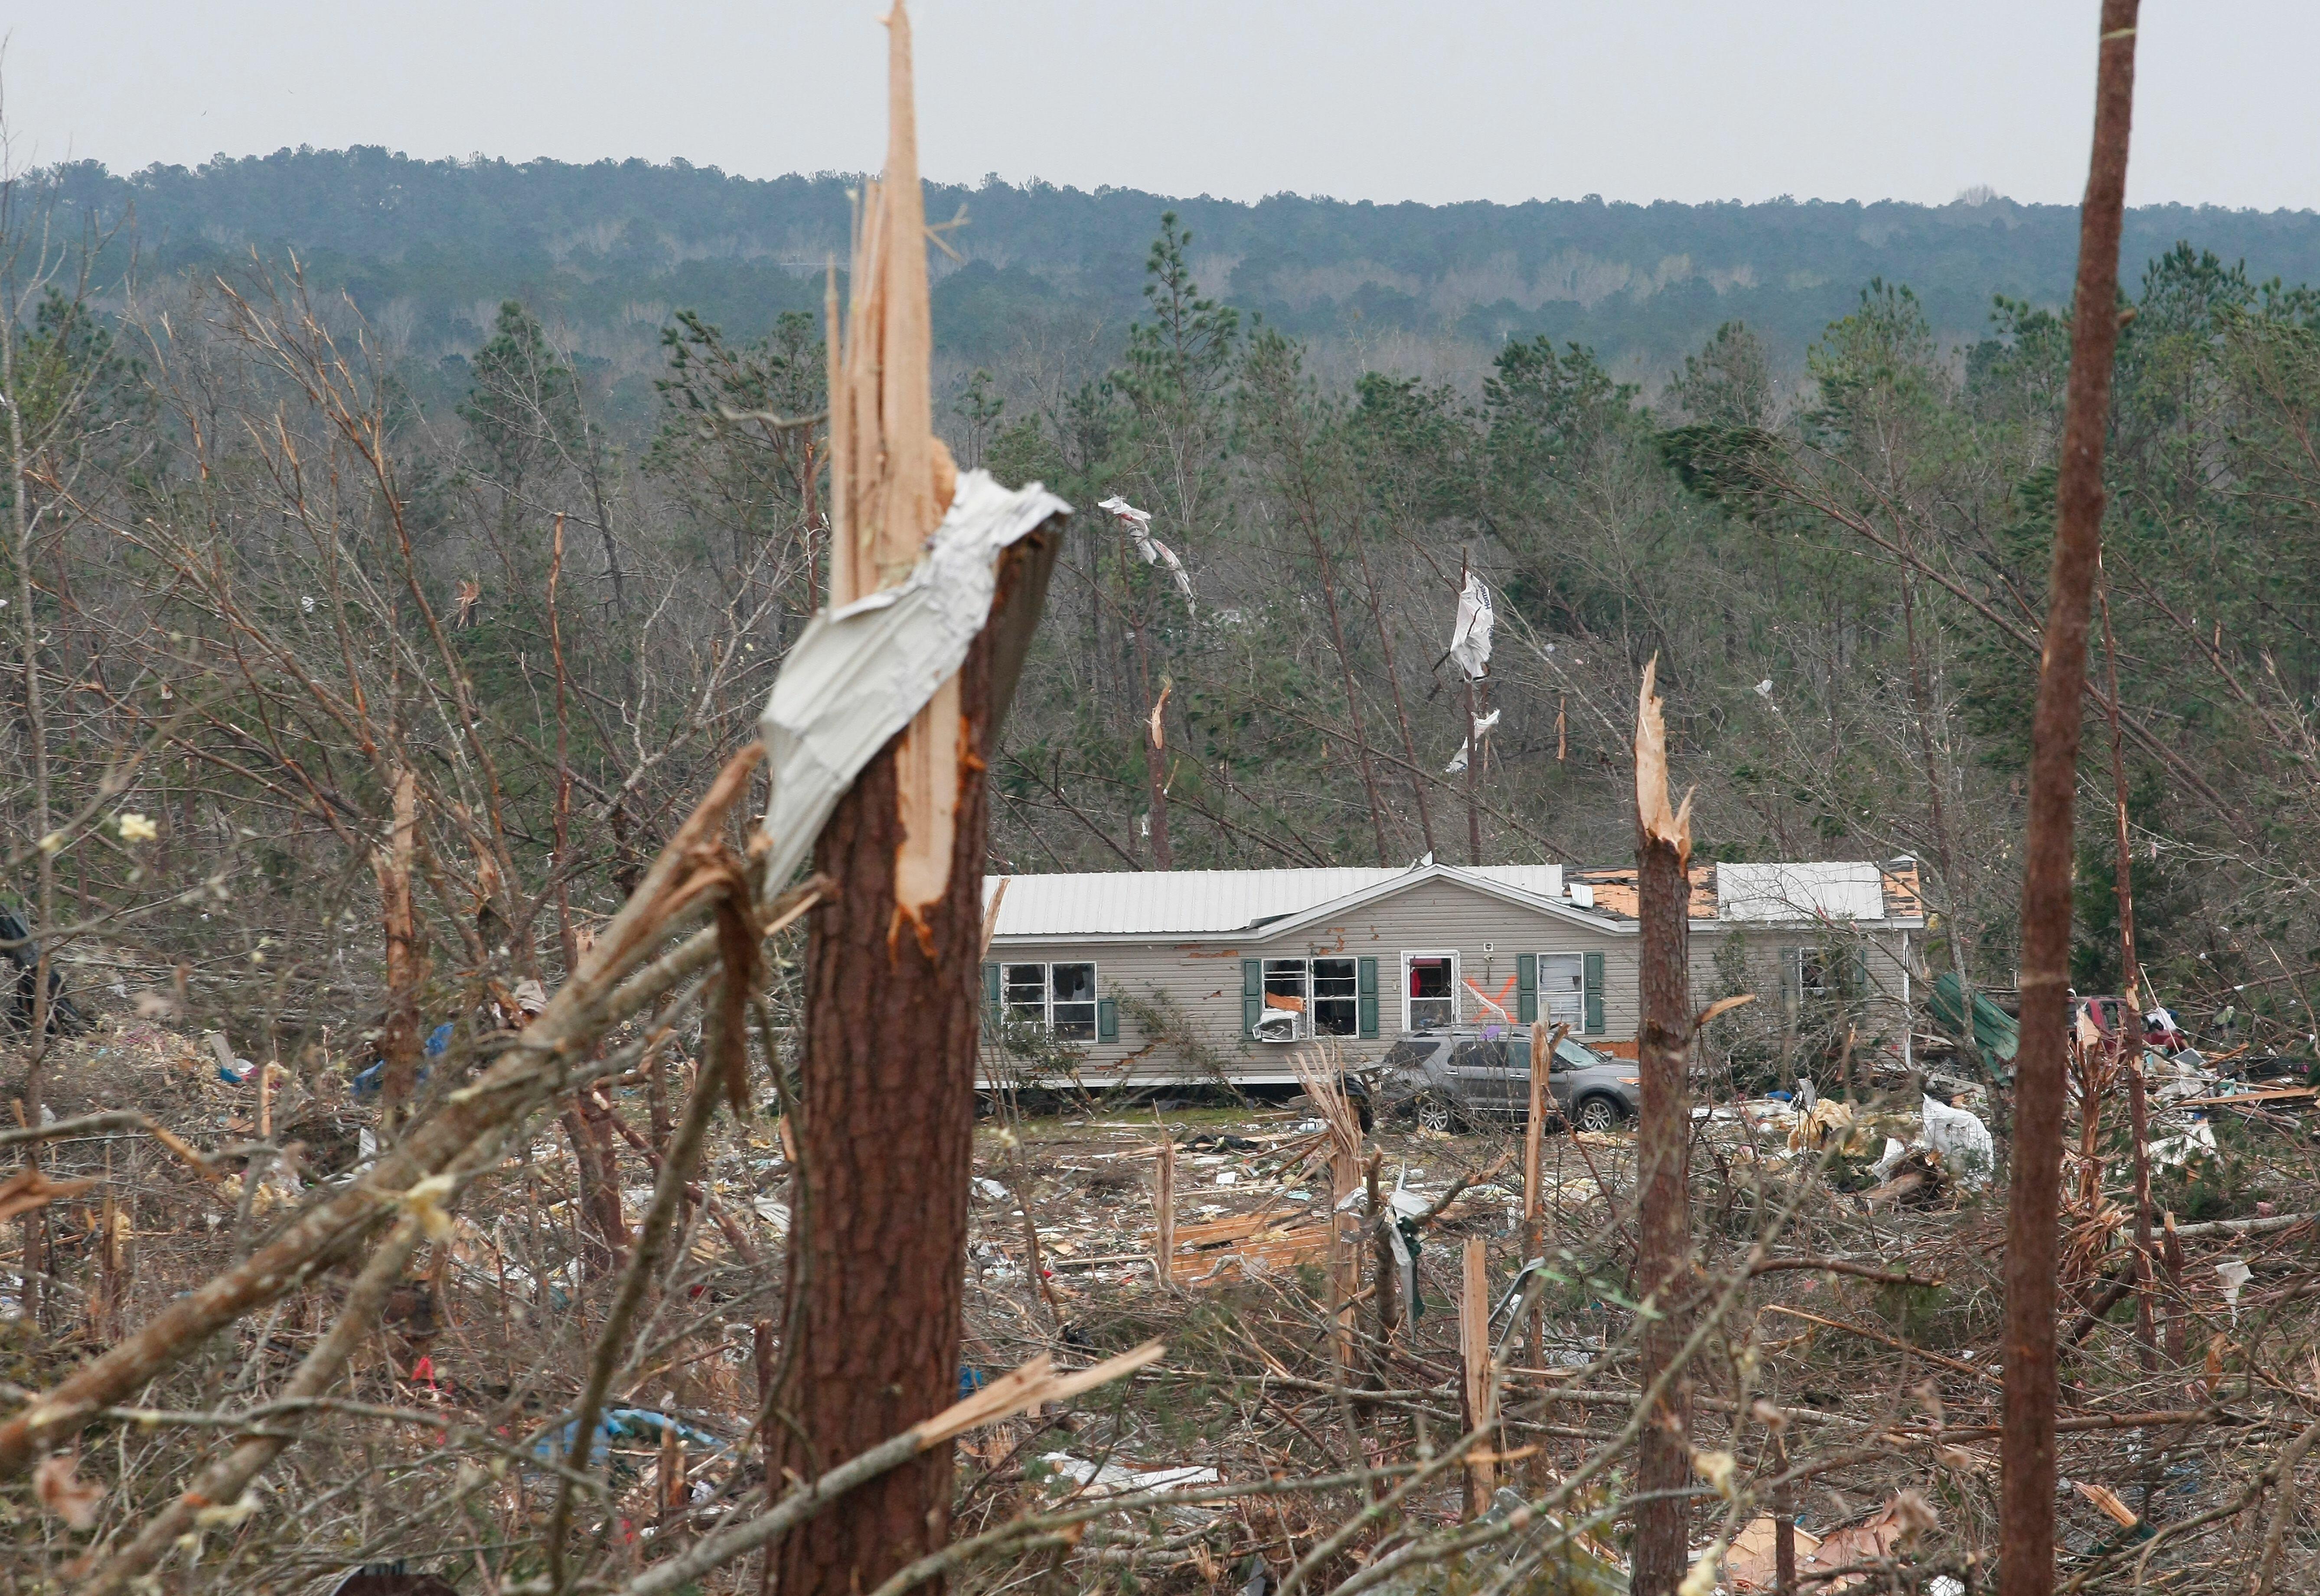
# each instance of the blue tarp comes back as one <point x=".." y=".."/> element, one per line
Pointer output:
<point x="632" y="1427"/>
<point x="366" y="1084"/>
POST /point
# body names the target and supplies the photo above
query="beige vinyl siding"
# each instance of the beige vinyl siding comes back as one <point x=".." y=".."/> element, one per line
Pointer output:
<point x="1203" y="979"/>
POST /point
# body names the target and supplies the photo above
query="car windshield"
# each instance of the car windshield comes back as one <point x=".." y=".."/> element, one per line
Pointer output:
<point x="1410" y="1055"/>
<point x="1571" y="1055"/>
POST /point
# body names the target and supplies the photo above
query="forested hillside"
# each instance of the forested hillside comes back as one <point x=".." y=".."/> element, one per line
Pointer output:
<point x="428" y="247"/>
<point x="1838" y="569"/>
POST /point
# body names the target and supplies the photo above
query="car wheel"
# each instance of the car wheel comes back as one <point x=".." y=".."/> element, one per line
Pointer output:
<point x="1598" y="1114"/>
<point x="1434" y="1114"/>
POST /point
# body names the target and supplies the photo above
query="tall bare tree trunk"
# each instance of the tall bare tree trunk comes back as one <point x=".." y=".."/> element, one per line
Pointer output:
<point x="1473" y="774"/>
<point x="2130" y="1042"/>
<point x="399" y="1045"/>
<point x="2026" y="1442"/>
<point x="35" y="1223"/>
<point x="1663" y="1144"/>
<point x="1156" y="759"/>
<point x="1922" y="710"/>
<point x="1400" y="710"/>
<point x="1353" y="699"/>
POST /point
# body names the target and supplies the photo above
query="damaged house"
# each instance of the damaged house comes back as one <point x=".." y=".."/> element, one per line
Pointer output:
<point x="1185" y="976"/>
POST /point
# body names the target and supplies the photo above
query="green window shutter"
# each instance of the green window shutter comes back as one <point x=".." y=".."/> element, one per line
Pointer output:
<point x="1856" y="970"/>
<point x="1791" y="977"/>
<point x="1367" y="997"/>
<point x="1106" y="1020"/>
<point x="1526" y="989"/>
<point x="991" y="992"/>
<point x="1252" y="994"/>
<point x="1592" y="967"/>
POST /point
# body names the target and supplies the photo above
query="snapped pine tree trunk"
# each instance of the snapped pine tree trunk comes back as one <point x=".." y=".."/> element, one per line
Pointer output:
<point x="885" y="1132"/>
<point x="1663" y="1145"/>
<point x="885" y="1144"/>
<point x="2026" y="1440"/>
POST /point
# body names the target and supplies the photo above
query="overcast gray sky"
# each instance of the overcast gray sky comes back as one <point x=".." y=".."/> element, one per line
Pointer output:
<point x="1361" y="99"/>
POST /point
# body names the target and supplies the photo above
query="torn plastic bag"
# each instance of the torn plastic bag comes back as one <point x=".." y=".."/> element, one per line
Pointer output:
<point x="1138" y="525"/>
<point x="368" y="1083"/>
<point x="1470" y="635"/>
<point x="860" y="674"/>
<point x="1961" y="1139"/>
<point x="1482" y="724"/>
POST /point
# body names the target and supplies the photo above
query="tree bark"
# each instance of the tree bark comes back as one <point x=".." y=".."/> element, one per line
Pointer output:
<point x="885" y="1148"/>
<point x="1663" y="1145"/>
<point x="2026" y="1443"/>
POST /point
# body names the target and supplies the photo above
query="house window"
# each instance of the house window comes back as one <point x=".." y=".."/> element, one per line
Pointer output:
<point x="1326" y="991"/>
<point x="1336" y="997"/>
<point x="1562" y="990"/>
<point x="1430" y="991"/>
<point x="1058" y="998"/>
<point x="1815" y="978"/>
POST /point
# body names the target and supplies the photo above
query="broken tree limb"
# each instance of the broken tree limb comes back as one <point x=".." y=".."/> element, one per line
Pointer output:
<point x="738" y="937"/>
<point x="1479" y="1388"/>
<point x="533" y="1069"/>
<point x="226" y="1481"/>
<point x="2026" y="1448"/>
<point x="1022" y="1390"/>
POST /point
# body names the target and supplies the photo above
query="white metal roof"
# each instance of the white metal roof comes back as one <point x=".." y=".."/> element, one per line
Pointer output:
<point x="1205" y="903"/>
<point x="1800" y="892"/>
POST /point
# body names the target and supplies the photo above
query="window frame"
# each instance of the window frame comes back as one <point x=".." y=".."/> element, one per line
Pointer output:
<point x="1815" y="958"/>
<point x="1350" y="999"/>
<point x="1578" y="1016"/>
<point x="1302" y="972"/>
<point x="1009" y="1008"/>
<point x="1408" y="955"/>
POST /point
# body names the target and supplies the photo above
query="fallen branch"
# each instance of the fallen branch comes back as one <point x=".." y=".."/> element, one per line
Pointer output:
<point x="1016" y="1392"/>
<point x="534" y="1068"/>
<point x="1895" y="1341"/>
<point x="1841" y="1266"/>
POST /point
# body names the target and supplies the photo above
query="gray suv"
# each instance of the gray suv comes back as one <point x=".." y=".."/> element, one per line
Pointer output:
<point x="1446" y="1076"/>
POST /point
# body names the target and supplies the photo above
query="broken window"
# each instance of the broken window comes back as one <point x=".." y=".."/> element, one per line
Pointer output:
<point x="1326" y="991"/>
<point x="1430" y="981"/>
<point x="1057" y="998"/>
<point x="1071" y="1005"/>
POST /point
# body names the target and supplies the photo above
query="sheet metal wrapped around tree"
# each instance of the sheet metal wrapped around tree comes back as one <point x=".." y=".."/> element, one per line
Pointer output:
<point x="860" y="673"/>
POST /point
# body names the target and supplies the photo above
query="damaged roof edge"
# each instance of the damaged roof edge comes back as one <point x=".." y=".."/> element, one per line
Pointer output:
<point x="1784" y="894"/>
<point x="1264" y="927"/>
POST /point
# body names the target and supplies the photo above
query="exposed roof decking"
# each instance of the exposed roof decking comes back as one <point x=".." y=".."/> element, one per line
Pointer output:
<point x="1800" y="893"/>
